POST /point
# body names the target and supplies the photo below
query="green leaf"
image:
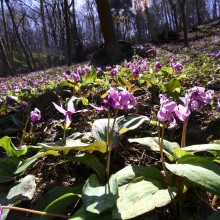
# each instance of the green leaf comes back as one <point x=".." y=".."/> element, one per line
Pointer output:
<point x="89" y="77"/>
<point x="167" y="70"/>
<point x="199" y="170"/>
<point x="127" y="174"/>
<point x="173" y="85"/>
<point x="100" y="130"/>
<point x="53" y="195"/>
<point x="92" y="162"/>
<point x="8" y="167"/>
<point x="24" y="189"/>
<point x="180" y="152"/>
<point x="82" y="214"/>
<point x="148" y="142"/>
<point x="77" y="145"/>
<point x="70" y="84"/>
<point x="98" y="198"/>
<point x="124" y="82"/>
<point x="59" y="205"/>
<point x="29" y="161"/>
<point x="204" y="147"/>
<point x="130" y="124"/>
<point x="9" y="147"/>
<point x="152" y="144"/>
<point x="140" y="197"/>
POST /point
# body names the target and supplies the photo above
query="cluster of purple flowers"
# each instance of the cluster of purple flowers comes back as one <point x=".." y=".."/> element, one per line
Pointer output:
<point x="177" y="67"/>
<point x="137" y="67"/>
<point x="123" y="100"/>
<point x="76" y="75"/>
<point x="194" y="99"/>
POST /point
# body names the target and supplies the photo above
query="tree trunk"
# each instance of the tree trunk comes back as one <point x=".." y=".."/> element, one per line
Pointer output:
<point x="68" y="34"/>
<point x="78" y="46"/>
<point x="19" y="36"/>
<point x="173" y="7"/>
<point x="215" y="9"/>
<point x="46" y="41"/>
<point x="10" y="53"/>
<point x="184" y="23"/>
<point x="149" y="21"/>
<point x="114" y="54"/>
<point x="199" y="19"/>
<point x="5" y="58"/>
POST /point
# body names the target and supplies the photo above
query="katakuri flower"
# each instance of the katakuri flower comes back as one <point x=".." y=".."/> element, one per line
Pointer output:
<point x="35" y="115"/>
<point x="68" y="112"/>
<point x="167" y="110"/>
<point x="197" y="97"/>
<point x="123" y="100"/>
<point x="158" y="66"/>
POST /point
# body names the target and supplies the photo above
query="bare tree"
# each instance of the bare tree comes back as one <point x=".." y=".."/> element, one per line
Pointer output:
<point x="182" y="4"/>
<point x="114" y="54"/>
<point x="19" y="36"/>
<point x="44" y="27"/>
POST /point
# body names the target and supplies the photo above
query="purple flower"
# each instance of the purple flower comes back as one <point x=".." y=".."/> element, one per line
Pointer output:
<point x="167" y="111"/>
<point x="114" y="72"/>
<point x="68" y="72"/>
<point x="1" y="211"/>
<point x="23" y="104"/>
<point x="76" y="77"/>
<point x="123" y="100"/>
<point x="157" y="66"/>
<point x="86" y="69"/>
<point x="79" y="71"/>
<point x="99" y="69"/>
<point x="4" y="88"/>
<point x="178" y="67"/>
<point x="126" y="100"/>
<point x="136" y="72"/>
<point x="11" y="100"/>
<point x="197" y="97"/>
<point x="35" y="115"/>
<point x="182" y="112"/>
<point x="69" y="112"/>
<point x="107" y="68"/>
<point x="65" y="76"/>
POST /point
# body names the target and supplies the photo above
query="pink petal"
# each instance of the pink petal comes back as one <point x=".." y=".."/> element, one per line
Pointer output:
<point x="59" y="108"/>
<point x="70" y="106"/>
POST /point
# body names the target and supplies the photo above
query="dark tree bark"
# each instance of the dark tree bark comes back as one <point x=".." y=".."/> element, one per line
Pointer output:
<point x="215" y="9"/>
<point x="68" y="34"/>
<point x="46" y="41"/>
<point x="199" y="19"/>
<point x="174" y="9"/>
<point x="19" y="36"/>
<point x="184" y="23"/>
<point x="114" y="54"/>
<point x="77" y="43"/>
<point x="5" y="58"/>
<point x="10" y="53"/>
<point x="149" y="20"/>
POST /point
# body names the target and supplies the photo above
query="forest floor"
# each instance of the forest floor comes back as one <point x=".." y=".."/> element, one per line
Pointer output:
<point x="201" y="68"/>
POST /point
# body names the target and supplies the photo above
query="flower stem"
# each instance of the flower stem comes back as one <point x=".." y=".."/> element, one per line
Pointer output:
<point x="64" y="132"/>
<point x="24" y="131"/>
<point x="183" y="140"/>
<point x="35" y="211"/>
<point x="214" y="200"/>
<point x="161" y="149"/>
<point x="109" y="142"/>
